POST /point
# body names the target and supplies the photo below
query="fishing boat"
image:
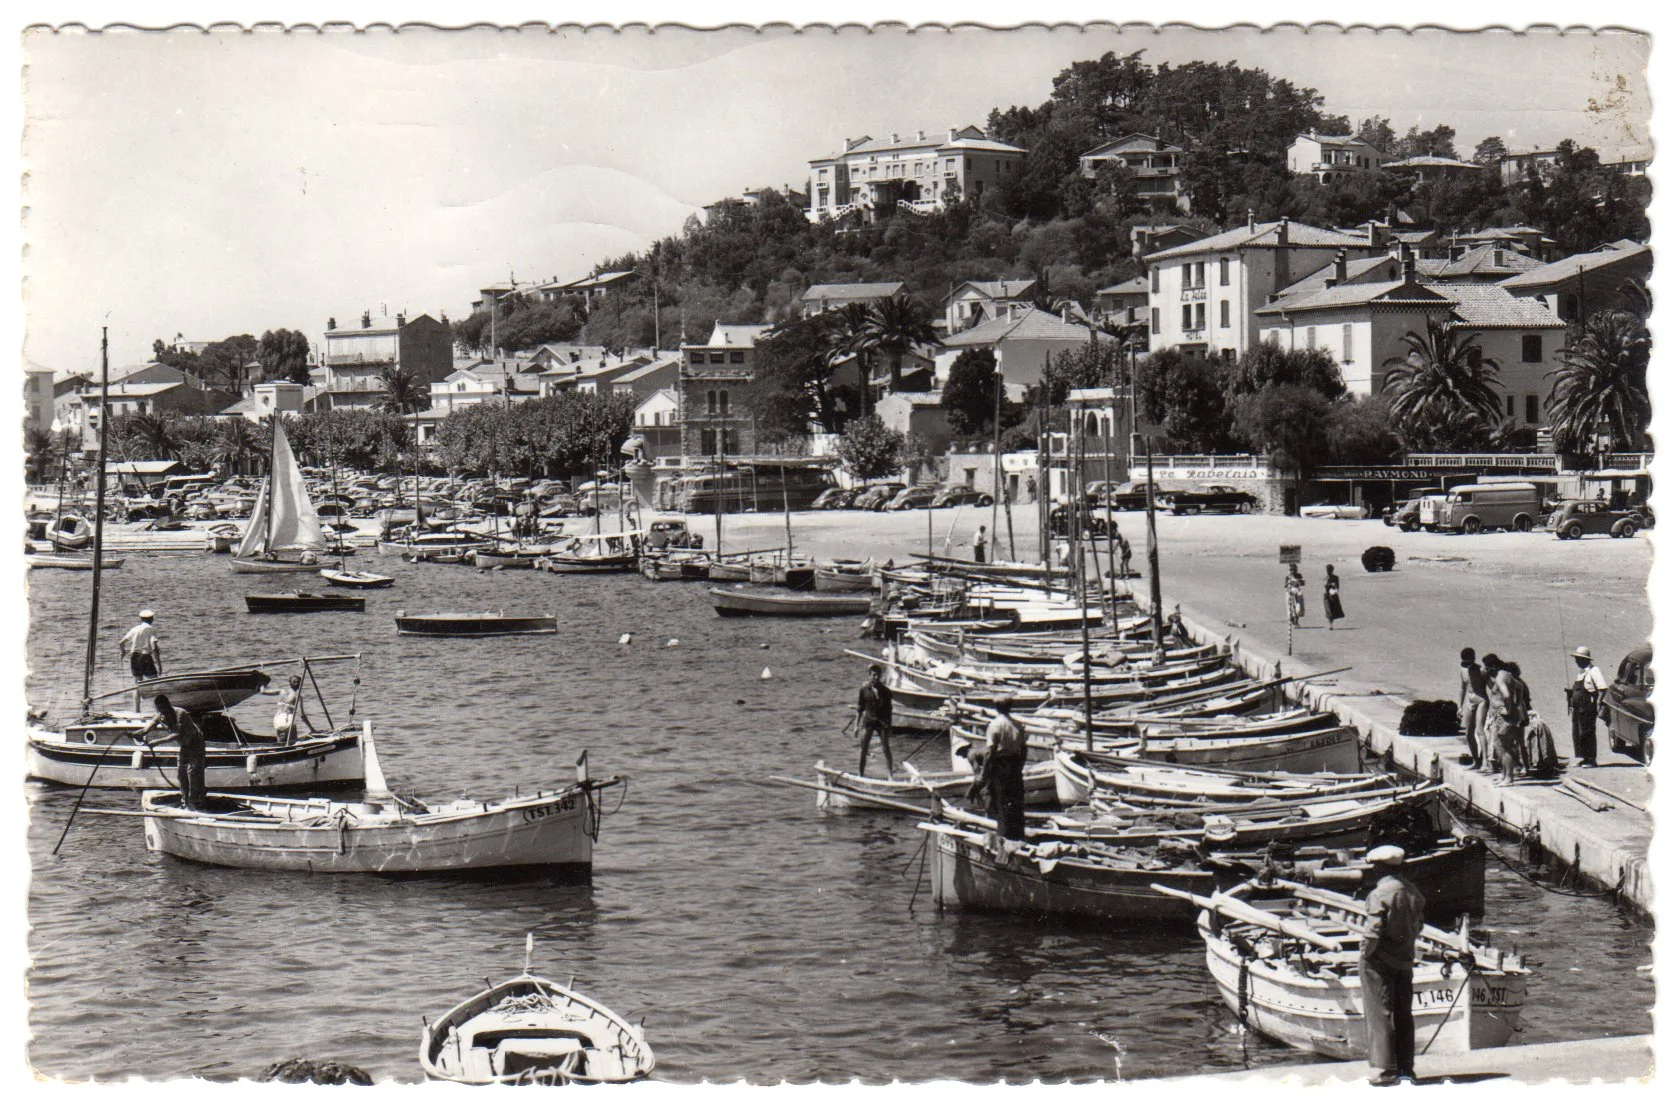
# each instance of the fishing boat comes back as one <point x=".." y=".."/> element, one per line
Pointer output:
<point x="283" y="518"/>
<point x="971" y="870"/>
<point x="221" y="538"/>
<point x="116" y="752"/>
<point x="741" y="600"/>
<point x="532" y="1031"/>
<point x="844" y="792"/>
<point x="729" y="571"/>
<point x="783" y="571"/>
<point x="676" y="565"/>
<point x="843" y="575"/>
<point x="355" y="578"/>
<point x="70" y="532"/>
<point x="508" y="557"/>
<point x="610" y="552"/>
<point x="474" y="624"/>
<point x="1081" y="775"/>
<point x="384" y="833"/>
<point x="432" y="546"/>
<point x="297" y="602"/>
<point x="81" y="561"/>
<point x="1284" y="956"/>
<point x="211" y="689"/>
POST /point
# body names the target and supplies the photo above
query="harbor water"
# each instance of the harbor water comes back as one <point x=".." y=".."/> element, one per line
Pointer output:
<point x="758" y="939"/>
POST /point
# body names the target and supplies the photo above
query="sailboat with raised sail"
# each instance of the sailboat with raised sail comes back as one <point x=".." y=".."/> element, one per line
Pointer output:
<point x="283" y="519"/>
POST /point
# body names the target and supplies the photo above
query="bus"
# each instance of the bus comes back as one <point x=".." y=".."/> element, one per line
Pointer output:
<point x="765" y="487"/>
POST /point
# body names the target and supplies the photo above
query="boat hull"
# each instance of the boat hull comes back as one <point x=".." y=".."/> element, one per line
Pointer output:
<point x="195" y="691"/>
<point x="735" y="602"/>
<point x="308" y="765"/>
<point x="549" y="830"/>
<point x="836" y="790"/>
<point x="257" y="565"/>
<point x="69" y="561"/>
<point x="625" y="563"/>
<point x="294" y="603"/>
<point x="830" y="580"/>
<point x="355" y="579"/>
<point x="475" y="626"/>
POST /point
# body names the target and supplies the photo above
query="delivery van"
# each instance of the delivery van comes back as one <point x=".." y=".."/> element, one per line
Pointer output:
<point x="1513" y="505"/>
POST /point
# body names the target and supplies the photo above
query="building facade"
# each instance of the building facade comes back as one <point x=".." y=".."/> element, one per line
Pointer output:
<point x="37" y="399"/>
<point x="354" y="358"/>
<point x="827" y="296"/>
<point x="1023" y="339"/>
<point x="1154" y="165"/>
<point x="1324" y="155"/>
<point x="1203" y="297"/>
<point x="977" y="301"/>
<point x="922" y="171"/>
<point x="713" y="393"/>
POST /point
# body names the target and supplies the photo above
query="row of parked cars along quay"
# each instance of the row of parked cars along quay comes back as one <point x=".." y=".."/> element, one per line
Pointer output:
<point x="894" y="496"/>
<point x="1518" y="506"/>
<point x="1127" y="496"/>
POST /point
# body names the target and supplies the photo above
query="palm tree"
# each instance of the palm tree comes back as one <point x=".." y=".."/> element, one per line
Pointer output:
<point x="403" y="393"/>
<point x="236" y="447"/>
<point x="895" y="326"/>
<point x="1602" y="385"/>
<point x="849" y="332"/>
<point x="1444" y="382"/>
<point x="158" y="434"/>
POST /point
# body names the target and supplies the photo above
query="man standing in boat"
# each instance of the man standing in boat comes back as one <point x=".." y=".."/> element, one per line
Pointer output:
<point x="873" y="715"/>
<point x="139" y="645"/>
<point x="189" y="740"/>
<point x="1385" y="968"/>
<point x="1005" y="764"/>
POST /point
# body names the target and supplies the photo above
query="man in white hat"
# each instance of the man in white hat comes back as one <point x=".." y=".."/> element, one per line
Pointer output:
<point x="1583" y="698"/>
<point x="139" y="645"/>
<point x="1385" y="966"/>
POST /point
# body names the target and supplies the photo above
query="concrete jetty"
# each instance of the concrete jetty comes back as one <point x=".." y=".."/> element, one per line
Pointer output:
<point x="1582" y="1062"/>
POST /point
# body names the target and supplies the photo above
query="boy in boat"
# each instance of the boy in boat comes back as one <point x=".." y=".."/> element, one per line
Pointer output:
<point x="873" y="714"/>
<point x="139" y="645"/>
<point x="289" y="711"/>
<point x="1385" y="968"/>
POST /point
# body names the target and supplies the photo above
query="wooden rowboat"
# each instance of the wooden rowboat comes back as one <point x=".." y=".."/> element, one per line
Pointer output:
<point x="529" y="1030"/>
<point x="276" y="565"/>
<point x="292" y="602"/>
<point x="1284" y="957"/>
<point x="748" y="601"/>
<point x="843" y="792"/>
<point x="69" y="561"/>
<point x="353" y="578"/>
<point x="474" y="624"/>
<point x="212" y="689"/>
<point x="1091" y="881"/>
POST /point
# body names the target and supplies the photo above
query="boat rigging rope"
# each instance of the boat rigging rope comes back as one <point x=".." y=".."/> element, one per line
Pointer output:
<point x="1612" y="891"/>
<point x="1466" y="979"/>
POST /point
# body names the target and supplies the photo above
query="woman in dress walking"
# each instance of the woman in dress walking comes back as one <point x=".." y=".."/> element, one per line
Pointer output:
<point x="1331" y="598"/>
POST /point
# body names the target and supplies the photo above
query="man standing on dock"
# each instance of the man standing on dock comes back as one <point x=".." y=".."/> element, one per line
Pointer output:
<point x="979" y="542"/>
<point x="873" y="715"/>
<point x="1005" y="763"/>
<point x="1583" y="699"/>
<point x="139" y="645"/>
<point x="1385" y="968"/>
<point x="1471" y="708"/>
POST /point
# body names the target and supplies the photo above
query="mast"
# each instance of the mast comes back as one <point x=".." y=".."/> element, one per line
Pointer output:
<point x="1111" y="586"/>
<point x="414" y="528"/>
<point x="786" y="510"/>
<point x="1153" y="554"/>
<point x="1076" y="524"/>
<point x="716" y="492"/>
<point x="98" y="520"/>
<point x="996" y="464"/>
<point x="273" y="450"/>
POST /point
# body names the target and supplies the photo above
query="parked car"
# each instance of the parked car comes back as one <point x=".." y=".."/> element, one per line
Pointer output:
<point x="957" y="495"/>
<point x="834" y="498"/>
<point x="1626" y="709"/>
<point x="1060" y="519"/>
<point x="1471" y="509"/>
<point x="1408" y="515"/>
<point x="874" y="497"/>
<point x="1123" y="496"/>
<point x="1207" y="498"/>
<point x="915" y="496"/>
<point x="1574" y="519"/>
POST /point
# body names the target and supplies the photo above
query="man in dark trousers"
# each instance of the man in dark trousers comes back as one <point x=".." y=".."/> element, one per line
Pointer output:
<point x="189" y="740"/>
<point x="1583" y="698"/>
<point x="979" y="543"/>
<point x="1385" y="967"/>
<point x="873" y="715"/>
<point x="1005" y="765"/>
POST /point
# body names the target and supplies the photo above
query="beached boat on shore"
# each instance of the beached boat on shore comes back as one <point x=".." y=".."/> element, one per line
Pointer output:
<point x="742" y="600"/>
<point x="80" y="561"/>
<point x="617" y="552"/>
<point x="1284" y="957"/>
<point x="532" y="1031"/>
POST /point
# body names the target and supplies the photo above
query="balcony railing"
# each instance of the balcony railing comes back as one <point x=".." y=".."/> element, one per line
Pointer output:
<point x="357" y="359"/>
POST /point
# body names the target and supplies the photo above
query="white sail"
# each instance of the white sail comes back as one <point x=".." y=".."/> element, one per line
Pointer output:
<point x="293" y="524"/>
<point x="255" y="541"/>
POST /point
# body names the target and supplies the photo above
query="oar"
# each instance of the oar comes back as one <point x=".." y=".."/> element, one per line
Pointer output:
<point x="94" y="775"/>
<point x="1224" y="905"/>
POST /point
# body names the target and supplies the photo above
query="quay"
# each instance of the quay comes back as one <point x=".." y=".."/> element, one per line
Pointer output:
<point x="1581" y="1062"/>
<point x="1602" y="834"/>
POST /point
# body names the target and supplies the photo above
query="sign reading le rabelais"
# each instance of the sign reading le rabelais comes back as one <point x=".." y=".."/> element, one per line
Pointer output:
<point x="1289" y="555"/>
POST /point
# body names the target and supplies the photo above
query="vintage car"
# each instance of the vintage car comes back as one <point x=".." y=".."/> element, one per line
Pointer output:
<point x="1060" y="523"/>
<point x="1408" y="515"/>
<point x="874" y="497"/>
<point x="1574" y="519"/>
<point x="834" y="498"/>
<point x="1626" y="709"/>
<point x="915" y="496"/>
<point x="1205" y="498"/>
<point x="1121" y="496"/>
<point x="957" y="495"/>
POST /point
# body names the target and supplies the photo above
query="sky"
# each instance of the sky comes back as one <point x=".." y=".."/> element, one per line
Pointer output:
<point x="208" y="184"/>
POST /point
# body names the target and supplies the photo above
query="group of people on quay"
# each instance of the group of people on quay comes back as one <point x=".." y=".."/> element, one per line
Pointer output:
<point x="1506" y="737"/>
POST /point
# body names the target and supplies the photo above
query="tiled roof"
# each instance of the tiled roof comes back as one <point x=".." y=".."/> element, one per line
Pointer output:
<point x="650" y="368"/>
<point x="239" y="407"/>
<point x="605" y="278"/>
<point x="1431" y="162"/>
<point x="136" y="389"/>
<point x="1001" y="288"/>
<point x="1355" y="269"/>
<point x="1141" y="143"/>
<point x="981" y="145"/>
<point x="851" y="291"/>
<point x="733" y="336"/>
<point x="1489" y="305"/>
<point x="1138" y="285"/>
<point x="1264" y="235"/>
<point x="1488" y="258"/>
<point x="1033" y="324"/>
<point x="1550" y="274"/>
<point x="1397" y="292"/>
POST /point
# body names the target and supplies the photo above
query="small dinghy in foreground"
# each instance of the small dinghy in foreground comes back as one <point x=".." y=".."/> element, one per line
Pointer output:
<point x="355" y="578"/>
<point x="529" y="1030"/>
